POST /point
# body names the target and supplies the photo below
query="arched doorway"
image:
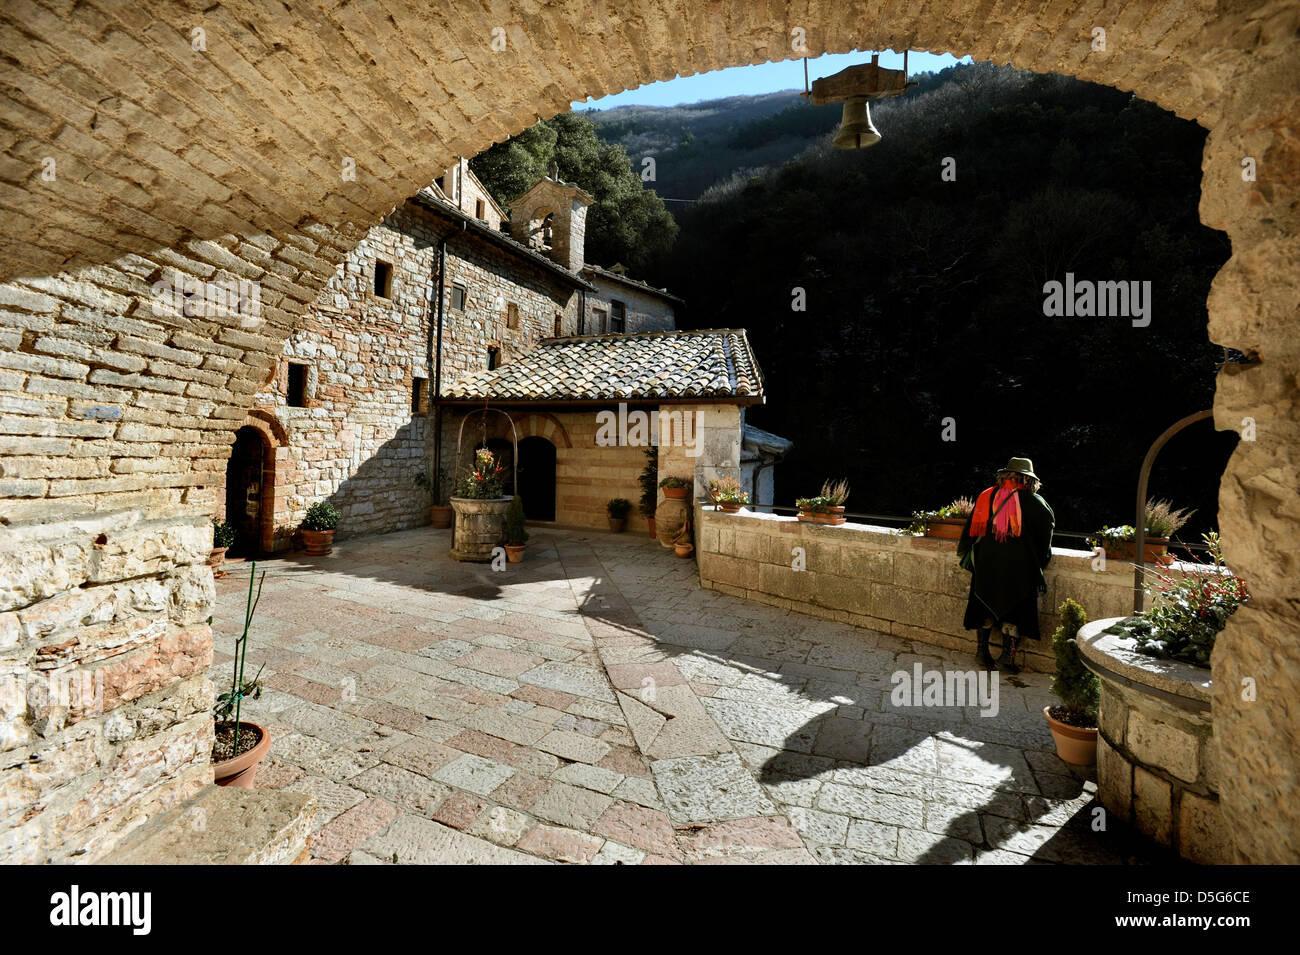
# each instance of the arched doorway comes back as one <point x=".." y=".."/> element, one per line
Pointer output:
<point x="537" y="478"/>
<point x="244" y="490"/>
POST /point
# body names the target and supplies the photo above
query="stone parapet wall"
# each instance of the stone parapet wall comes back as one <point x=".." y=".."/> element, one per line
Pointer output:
<point x="911" y="587"/>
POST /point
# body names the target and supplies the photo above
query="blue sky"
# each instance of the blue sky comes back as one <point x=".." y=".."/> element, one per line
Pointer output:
<point x="762" y="78"/>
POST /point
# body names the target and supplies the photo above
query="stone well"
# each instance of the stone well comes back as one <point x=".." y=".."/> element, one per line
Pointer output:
<point x="479" y="527"/>
<point x="1156" y="752"/>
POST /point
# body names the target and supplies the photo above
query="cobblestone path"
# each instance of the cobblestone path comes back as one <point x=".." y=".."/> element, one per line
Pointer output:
<point x="594" y="705"/>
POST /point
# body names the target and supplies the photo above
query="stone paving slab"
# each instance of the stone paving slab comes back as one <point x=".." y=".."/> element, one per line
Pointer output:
<point x="593" y="705"/>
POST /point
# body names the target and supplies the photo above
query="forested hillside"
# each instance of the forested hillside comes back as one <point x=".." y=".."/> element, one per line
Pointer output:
<point x="924" y="297"/>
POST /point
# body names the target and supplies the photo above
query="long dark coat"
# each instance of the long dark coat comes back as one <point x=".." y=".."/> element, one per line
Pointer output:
<point x="1008" y="574"/>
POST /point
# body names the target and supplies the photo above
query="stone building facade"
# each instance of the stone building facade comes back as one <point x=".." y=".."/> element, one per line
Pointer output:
<point x="622" y="304"/>
<point x="345" y="416"/>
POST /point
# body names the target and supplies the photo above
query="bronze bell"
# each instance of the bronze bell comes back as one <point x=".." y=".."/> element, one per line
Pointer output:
<point x="856" y="130"/>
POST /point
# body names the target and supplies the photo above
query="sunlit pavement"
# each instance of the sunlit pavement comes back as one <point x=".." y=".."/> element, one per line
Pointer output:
<point x="594" y="704"/>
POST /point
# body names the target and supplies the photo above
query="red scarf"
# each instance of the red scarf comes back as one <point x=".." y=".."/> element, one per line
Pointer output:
<point x="1006" y="520"/>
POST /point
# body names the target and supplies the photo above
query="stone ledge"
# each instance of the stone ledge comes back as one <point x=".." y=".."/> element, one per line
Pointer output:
<point x="224" y="826"/>
<point x="1114" y="658"/>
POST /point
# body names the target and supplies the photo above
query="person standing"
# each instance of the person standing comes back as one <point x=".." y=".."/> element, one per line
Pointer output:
<point x="1006" y="544"/>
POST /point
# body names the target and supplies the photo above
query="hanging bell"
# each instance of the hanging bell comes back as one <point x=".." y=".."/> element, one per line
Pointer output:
<point x="856" y="131"/>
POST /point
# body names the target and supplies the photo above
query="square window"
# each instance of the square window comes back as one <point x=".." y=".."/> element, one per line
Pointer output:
<point x="297" y="391"/>
<point x="383" y="278"/>
<point x="458" y="296"/>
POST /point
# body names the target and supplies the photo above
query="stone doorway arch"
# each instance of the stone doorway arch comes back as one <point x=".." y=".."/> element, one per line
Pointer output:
<point x="259" y="203"/>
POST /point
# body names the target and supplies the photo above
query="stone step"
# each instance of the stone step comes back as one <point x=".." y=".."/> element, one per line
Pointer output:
<point x="222" y="825"/>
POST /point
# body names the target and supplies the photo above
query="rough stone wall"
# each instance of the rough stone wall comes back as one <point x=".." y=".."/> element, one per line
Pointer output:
<point x="645" y="312"/>
<point x="131" y="144"/>
<point x="911" y="587"/>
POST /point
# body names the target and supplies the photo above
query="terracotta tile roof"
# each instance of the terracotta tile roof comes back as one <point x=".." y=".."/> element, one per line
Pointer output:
<point x="709" y="365"/>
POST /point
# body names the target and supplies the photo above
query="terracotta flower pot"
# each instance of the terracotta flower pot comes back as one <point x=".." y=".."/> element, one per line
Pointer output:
<point x="617" y="524"/>
<point x="829" y="515"/>
<point x="440" y="515"/>
<point x="514" y="553"/>
<point x="676" y="493"/>
<point x="683" y="550"/>
<point x="730" y="507"/>
<point x="650" y="522"/>
<point x="1076" y="745"/>
<point x="217" y="556"/>
<point x="945" y="528"/>
<point x="319" y="543"/>
<point x="241" y="771"/>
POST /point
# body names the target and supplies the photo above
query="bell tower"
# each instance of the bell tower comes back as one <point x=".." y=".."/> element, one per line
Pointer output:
<point x="551" y="218"/>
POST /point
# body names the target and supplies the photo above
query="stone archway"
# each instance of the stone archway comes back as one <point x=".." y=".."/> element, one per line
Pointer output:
<point x="144" y="159"/>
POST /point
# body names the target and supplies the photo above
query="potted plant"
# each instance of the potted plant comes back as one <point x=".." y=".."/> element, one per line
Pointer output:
<point x="480" y="505"/>
<point x="649" y="481"/>
<point x="318" y="528"/>
<point x="676" y="488"/>
<point x="727" y="494"/>
<point x="945" y="523"/>
<point x="516" y="536"/>
<point x="434" y="480"/>
<point x="239" y="744"/>
<point x="1162" y="522"/>
<point x="223" y="538"/>
<point x="826" y="507"/>
<point x="617" y="509"/>
<point x="682" y="545"/>
<point x="1189" y="611"/>
<point x="1073" y="721"/>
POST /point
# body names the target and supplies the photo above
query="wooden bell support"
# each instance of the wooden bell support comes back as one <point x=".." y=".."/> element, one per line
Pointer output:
<point x="855" y="87"/>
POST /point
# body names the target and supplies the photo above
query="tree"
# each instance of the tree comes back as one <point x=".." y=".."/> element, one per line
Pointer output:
<point x="627" y="223"/>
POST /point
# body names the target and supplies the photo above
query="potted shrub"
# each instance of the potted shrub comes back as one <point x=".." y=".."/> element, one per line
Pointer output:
<point x="676" y="488"/>
<point x="516" y="535"/>
<point x="727" y="494"/>
<point x="318" y="528"/>
<point x="239" y="744"/>
<point x="1162" y="522"/>
<point x="945" y="523"/>
<point x="1073" y="721"/>
<point x="617" y="509"/>
<point x="826" y="507"/>
<point x="649" y="481"/>
<point x="434" y="480"/>
<point x="1189" y="611"/>
<point x="223" y="538"/>
<point x="480" y="505"/>
<point x="682" y="545"/>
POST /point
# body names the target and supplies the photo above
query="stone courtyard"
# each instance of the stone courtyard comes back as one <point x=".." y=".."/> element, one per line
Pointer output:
<point x="595" y="705"/>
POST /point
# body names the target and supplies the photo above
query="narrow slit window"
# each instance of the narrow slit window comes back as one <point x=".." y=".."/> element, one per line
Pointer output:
<point x="512" y="315"/>
<point x="493" y="357"/>
<point x="383" y="278"/>
<point x="419" y="394"/>
<point x="617" y="317"/>
<point x="480" y="210"/>
<point x="559" y="325"/>
<point x="297" y="395"/>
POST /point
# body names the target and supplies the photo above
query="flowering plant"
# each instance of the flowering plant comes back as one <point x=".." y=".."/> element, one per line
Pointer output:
<point x="1189" y="612"/>
<point x="958" y="510"/>
<point x="727" y="490"/>
<point x="485" y="479"/>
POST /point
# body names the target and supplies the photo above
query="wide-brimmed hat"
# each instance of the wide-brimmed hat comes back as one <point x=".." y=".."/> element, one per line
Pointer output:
<point x="1020" y="466"/>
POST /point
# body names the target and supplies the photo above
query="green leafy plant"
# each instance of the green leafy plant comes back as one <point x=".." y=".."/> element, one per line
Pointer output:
<point x="727" y="490"/>
<point x="516" y="535"/>
<point x="834" y="494"/>
<point x="649" y="481"/>
<point x="958" y="510"/>
<point x="618" y="507"/>
<point x="228" y="707"/>
<point x="485" y="479"/>
<point x="1189" y="611"/>
<point x="674" y="480"/>
<point x="1074" y="684"/>
<point x="321" y="516"/>
<point x="434" y="481"/>
<point x="223" y="534"/>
